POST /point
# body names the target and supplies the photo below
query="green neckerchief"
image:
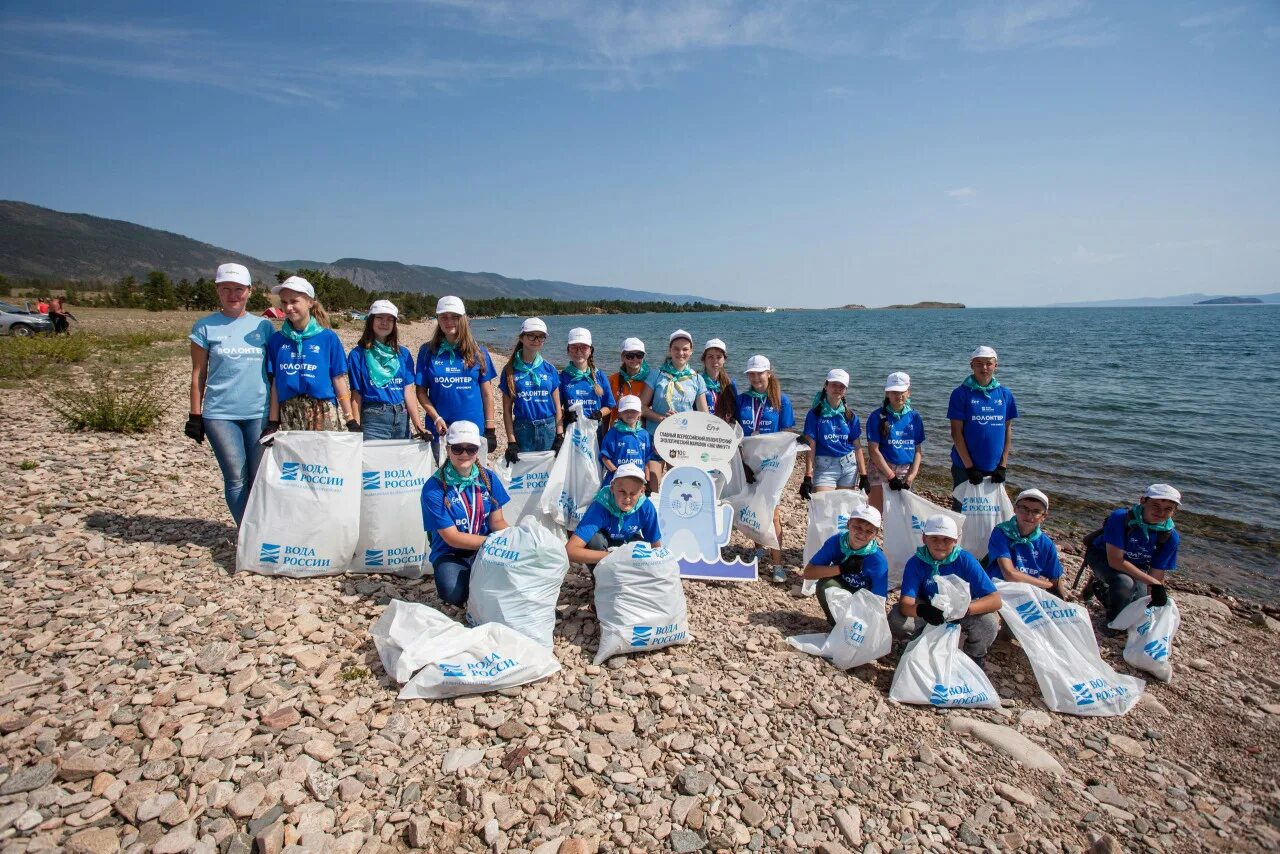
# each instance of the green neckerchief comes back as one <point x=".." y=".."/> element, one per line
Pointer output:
<point x="849" y="552"/>
<point x="455" y="478"/>
<point x="970" y="382"/>
<point x="757" y="395"/>
<point x="605" y="497"/>
<point x="923" y="553"/>
<point x="676" y="377"/>
<point x="520" y="367"/>
<point x="446" y="347"/>
<point x="640" y="375"/>
<point x="713" y="385"/>
<point x="627" y="428"/>
<point x="575" y="373"/>
<point x="1010" y="528"/>
<point x="906" y="407"/>
<point x="1138" y="522"/>
<point x="383" y="362"/>
<point x="313" y="328"/>
<point x="828" y="411"/>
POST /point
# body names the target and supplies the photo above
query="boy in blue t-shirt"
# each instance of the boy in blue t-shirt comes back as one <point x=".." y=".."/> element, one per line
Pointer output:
<point x="850" y="560"/>
<point x="621" y="513"/>
<point x="627" y="441"/>
<point x="1135" y="549"/>
<point x="1018" y="550"/>
<point x="981" y="412"/>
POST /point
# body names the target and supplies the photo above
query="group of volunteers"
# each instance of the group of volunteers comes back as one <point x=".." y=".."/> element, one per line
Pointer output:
<point x="249" y="380"/>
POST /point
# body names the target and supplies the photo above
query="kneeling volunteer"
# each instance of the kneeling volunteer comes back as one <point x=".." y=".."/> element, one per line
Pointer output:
<point x="621" y="513"/>
<point x="1019" y="551"/>
<point x="1133" y="551"/>
<point x="851" y="560"/>
<point x="461" y="505"/>
<point x="941" y="556"/>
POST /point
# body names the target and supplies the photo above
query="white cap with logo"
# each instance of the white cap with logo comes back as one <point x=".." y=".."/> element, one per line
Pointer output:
<point x="941" y="526"/>
<point x="629" y="403"/>
<point x="679" y="333"/>
<point x="866" y="513"/>
<point x="629" y="470"/>
<point x="897" y="381"/>
<point x="1035" y="495"/>
<point x="533" y="324"/>
<point x="450" y="305"/>
<point x="757" y="363"/>
<point x="462" y="433"/>
<point x="632" y="345"/>
<point x="580" y="335"/>
<point x="715" y="343"/>
<point x="838" y="375"/>
<point x="1163" y="492"/>
<point x="983" y="352"/>
<point x="295" y="283"/>
<point x="384" y="306"/>
<point x="237" y="273"/>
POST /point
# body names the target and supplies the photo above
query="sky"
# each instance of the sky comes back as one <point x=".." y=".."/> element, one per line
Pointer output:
<point x="802" y="153"/>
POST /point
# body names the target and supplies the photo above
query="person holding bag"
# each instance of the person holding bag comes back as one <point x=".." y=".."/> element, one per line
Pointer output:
<point x="831" y="430"/>
<point x="1019" y="550"/>
<point x="381" y="376"/>
<point x="1134" y="549"/>
<point x="530" y="402"/>
<point x="308" y="366"/>
<point x="981" y="412"/>
<point x="455" y="374"/>
<point x="582" y="382"/>
<point x="895" y="433"/>
<point x="764" y="409"/>
<point x="850" y="560"/>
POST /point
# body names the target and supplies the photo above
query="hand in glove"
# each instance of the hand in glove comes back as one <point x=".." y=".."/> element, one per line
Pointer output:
<point x="864" y="482"/>
<point x="512" y="454"/>
<point x="491" y="436"/>
<point x="195" y="428"/>
<point x="597" y="415"/>
<point x="353" y="426"/>
<point x="997" y="476"/>
<point x="570" y="418"/>
<point x="806" y="487"/>
<point x="926" y="611"/>
<point x="1159" y="595"/>
<point x="422" y="435"/>
<point x="557" y="442"/>
<point x="270" y="429"/>
<point x="975" y="475"/>
<point x="750" y="475"/>
<point x="896" y="483"/>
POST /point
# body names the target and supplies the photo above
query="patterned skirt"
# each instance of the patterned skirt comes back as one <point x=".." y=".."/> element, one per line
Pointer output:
<point x="307" y="413"/>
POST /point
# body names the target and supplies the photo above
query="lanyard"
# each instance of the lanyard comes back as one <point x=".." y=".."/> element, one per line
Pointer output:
<point x="757" y="412"/>
<point x="474" y="508"/>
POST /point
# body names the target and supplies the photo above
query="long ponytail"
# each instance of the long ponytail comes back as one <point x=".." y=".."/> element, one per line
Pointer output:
<point x="595" y="377"/>
<point x="774" y="391"/>
<point x="884" y="419"/>
<point x="319" y="313"/>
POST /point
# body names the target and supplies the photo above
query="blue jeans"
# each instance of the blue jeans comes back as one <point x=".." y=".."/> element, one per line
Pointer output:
<point x="452" y="572"/>
<point x="535" y="435"/>
<point x="384" y="420"/>
<point x="235" y="447"/>
<point x="836" y="471"/>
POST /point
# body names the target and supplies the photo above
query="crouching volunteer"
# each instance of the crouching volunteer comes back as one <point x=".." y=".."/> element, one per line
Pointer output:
<point x="627" y="441"/>
<point x="530" y="404"/>
<point x="381" y="375"/>
<point x="1019" y="550"/>
<point x="831" y="429"/>
<point x="941" y="556"/>
<point x="307" y="365"/>
<point x="851" y="560"/>
<point x="1135" y="548"/>
<point x="461" y="505"/>
<point x="621" y="513"/>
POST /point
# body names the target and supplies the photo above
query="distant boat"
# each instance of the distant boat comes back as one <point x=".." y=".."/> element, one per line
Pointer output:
<point x="501" y="316"/>
<point x="769" y="309"/>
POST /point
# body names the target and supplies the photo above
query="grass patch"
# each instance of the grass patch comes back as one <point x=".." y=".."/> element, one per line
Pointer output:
<point x="28" y="358"/>
<point x="353" y="672"/>
<point x="28" y="465"/>
<point x="109" y="405"/>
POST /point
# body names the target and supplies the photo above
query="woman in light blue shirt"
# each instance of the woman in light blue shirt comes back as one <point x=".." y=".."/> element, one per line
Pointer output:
<point x="229" y="384"/>
<point x="676" y="388"/>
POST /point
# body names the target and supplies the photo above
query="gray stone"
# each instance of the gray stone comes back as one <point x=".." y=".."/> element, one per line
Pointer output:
<point x="685" y="841"/>
<point x="29" y="778"/>
<point x="691" y="781"/>
<point x="460" y="758"/>
<point x="1009" y="741"/>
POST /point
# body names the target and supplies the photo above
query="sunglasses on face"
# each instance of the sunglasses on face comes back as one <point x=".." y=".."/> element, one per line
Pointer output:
<point x="633" y="355"/>
<point x="464" y="450"/>
<point x="535" y="336"/>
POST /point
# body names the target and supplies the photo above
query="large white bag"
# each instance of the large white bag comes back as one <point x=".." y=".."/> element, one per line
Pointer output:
<point x="904" y="515"/>
<point x="1151" y="632"/>
<point x="861" y="634"/>
<point x="828" y="516"/>
<point x="772" y="457"/>
<point x="525" y="481"/>
<point x="575" y="475"/>
<point x="450" y="659"/>
<point x="934" y="670"/>
<point x="983" y="506"/>
<point x="516" y="578"/>
<point x="639" y="601"/>
<point x="303" y="515"/>
<point x="1058" y="639"/>
<point x="392" y="539"/>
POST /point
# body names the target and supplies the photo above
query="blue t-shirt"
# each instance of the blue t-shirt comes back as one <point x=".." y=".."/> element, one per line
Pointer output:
<point x="906" y="433"/>
<point x="1038" y="558"/>
<point x="918" y="583"/>
<point x="713" y="396"/>
<point x="307" y="368"/>
<point x="1141" y="550"/>
<point x="643" y="519"/>
<point x="759" y="416"/>
<point x="572" y="390"/>
<point x="443" y="506"/>
<point x="873" y="576"/>
<point x="683" y="394"/>
<point x="984" y="418"/>
<point x="533" y="399"/>
<point x="834" y="435"/>
<point x="236" y="385"/>
<point x="453" y="389"/>
<point x="392" y="392"/>
<point x="621" y="447"/>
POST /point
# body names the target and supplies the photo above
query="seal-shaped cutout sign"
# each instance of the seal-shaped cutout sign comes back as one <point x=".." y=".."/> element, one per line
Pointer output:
<point x="696" y="439"/>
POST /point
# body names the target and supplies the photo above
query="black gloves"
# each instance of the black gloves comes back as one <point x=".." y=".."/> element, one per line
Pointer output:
<point x="597" y="415"/>
<point x="975" y="475"/>
<point x="491" y="436"/>
<point x="195" y="428"/>
<point x="806" y="487"/>
<point x="750" y="475"/>
<point x="422" y="435"/>
<point x="557" y="442"/>
<point x="926" y="611"/>
<point x="513" y="453"/>
<point x="896" y="483"/>
<point x="272" y="427"/>
<point x="997" y="476"/>
<point x="1159" y="595"/>
<point x="864" y="483"/>
<point x="353" y="426"/>
<point x="570" y="418"/>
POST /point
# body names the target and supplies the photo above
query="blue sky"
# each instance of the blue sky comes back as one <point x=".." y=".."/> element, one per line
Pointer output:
<point x="785" y="152"/>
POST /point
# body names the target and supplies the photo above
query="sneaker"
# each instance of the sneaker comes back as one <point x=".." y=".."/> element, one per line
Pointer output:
<point x="779" y="574"/>
<point x="1094" y="588"/>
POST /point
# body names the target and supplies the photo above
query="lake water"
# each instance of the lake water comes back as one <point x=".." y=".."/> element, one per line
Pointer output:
<point x="1111" y="399"/>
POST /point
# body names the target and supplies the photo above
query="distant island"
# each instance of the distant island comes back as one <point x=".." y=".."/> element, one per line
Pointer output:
<point x="853" y="306"/>
<point x="1231" y="301"/>
<point x="929" y="304"/>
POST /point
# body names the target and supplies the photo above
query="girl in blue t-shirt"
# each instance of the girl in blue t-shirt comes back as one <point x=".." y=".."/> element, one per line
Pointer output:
<point x="581" y="382"/>
<point x="530" y="402"/>
<point x="895" y="434"/>
<point x="675" y="388"/>
<point x="851" y="560"/>
<point x="831" y="428"/>
<point x="307" y="365"/>
<point x="627" y="441"/>
<point x="461" y="505"/>
<point x="381" y="375"/>
<point x="455" y="374"/>
<point x="621" y="513"/>
<point x="764" y="409"/>
<point x="722" y="392"/>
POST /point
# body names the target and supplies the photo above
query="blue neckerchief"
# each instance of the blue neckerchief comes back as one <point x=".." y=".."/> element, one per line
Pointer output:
<point x="923" y="553"/>
<point x="827" y="410"/>
<point x="970" y="382"/>
<point x="848" y="551"/>
<point x="1010" y="529"/>
<point x="382" y="362"/>
<point x="1136" y="521"/>
<point x="606" y="499"/>
<point x="520" y="367"/>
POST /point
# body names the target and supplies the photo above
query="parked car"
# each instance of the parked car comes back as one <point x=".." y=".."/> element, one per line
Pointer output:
<point x="19" y="321"/>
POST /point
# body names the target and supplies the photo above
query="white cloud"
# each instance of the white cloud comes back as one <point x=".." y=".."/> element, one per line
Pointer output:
<point x="1213" y="18"/>
<point x="962" y="194"/>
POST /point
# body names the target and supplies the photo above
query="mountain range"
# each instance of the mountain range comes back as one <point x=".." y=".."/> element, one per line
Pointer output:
<point x="51" y="245"/>
<point x="1181" y="299"/>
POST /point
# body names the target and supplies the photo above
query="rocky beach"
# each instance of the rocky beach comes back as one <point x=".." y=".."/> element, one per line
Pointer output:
<point x="154" y="700"/>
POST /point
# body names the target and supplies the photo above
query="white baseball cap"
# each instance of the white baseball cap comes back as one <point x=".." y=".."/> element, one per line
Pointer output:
<point x="384" y="306"/>
<point x="632" y="345"/>
<point x="942" y="526"/>
<point x="580" y="335"/>
<point x="1034" y="494"/>
<point x="462" y="433"/>
<point x="838" y="375"/>
<point x="629" y="470"/>
<point x="629" y="403"/>
<point x="897" y="381"/>
<point x="1163" y="491"/>
<point x="866" y="513"/>
<point x="757" y="363"/>
<point x="983" y="352"/>
<point x="450" y="305"/>
<point x="717" y="344"/>
<point x="679" y="333"/>
<point x="533" y="324"/>
<point x="237" y="273"/>
<point x="295" y="283"/>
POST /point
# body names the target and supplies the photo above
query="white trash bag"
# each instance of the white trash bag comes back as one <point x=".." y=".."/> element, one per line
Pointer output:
<point x="640" y="601"/>
<point x="575" y="474"/>
<point x="861" y="634"/>
<point x="392" y="539"/>
<point x="303" y="515"/>
<point x="933" y="670"/>
<point x="983" y="506"/>
<point x="516" y="578"/>
<point x="1151" y="632"/>
<point x="1058" y="639"/>
<point x="438" y="658"/>
<point x="953" y="597"/>
<point x="525" y="481"/>
<point x="904" y="515"/>
<point x="772" y="457"/>
<point x="828" y="516"/>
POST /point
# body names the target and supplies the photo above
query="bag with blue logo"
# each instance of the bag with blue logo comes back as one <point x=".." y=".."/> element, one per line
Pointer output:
<point x="640" y="602"/>
<point x="303" y="515"/>
<point x="516" y="578"/>
<point x="437" y="658"/>
<point x="933" y="670"/>
<point x="525" y="481"/>
<point x="575" y="474"/>
<point x="1059" y="641"/>
<point x="1151" y="632"/>
<point x="828" y="516"/>
<point x="983" y="505"/>
<point x="771" y="456"/>
<point x="903" y="519"/>
<point x="861" y="634"/>
<point x="392" y="539"/>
